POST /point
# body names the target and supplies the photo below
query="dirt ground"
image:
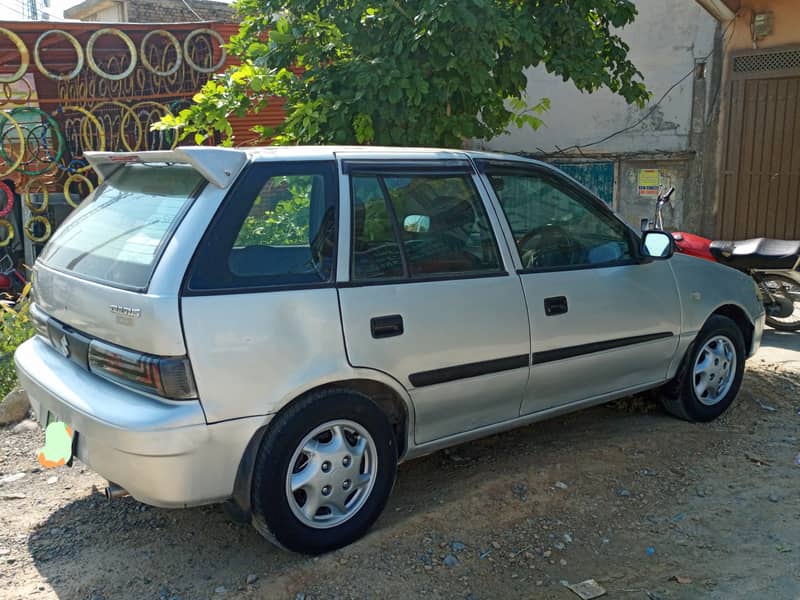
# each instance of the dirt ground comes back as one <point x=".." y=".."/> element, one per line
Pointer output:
<point x="649" y="506"/>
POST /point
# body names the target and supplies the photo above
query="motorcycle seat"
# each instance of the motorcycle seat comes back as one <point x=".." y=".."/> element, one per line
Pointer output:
<point x="757" y="253"/>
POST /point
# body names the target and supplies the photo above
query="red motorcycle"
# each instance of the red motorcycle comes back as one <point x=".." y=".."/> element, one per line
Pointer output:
<point x="773" y="265"/>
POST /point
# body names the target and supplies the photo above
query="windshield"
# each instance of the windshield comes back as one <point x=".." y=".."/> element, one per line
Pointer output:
<point x="117" y="236"/>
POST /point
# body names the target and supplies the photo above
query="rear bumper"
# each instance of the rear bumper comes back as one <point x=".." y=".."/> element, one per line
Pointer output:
<point x="163" y="453"/>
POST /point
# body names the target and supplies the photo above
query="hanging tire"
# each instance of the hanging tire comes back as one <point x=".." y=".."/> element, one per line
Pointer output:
<point x="323" y="472"/>
<point x="711" y="374"/>
<point x="789" y="291"/>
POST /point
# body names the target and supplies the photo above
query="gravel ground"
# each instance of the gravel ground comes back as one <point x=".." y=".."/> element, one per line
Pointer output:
<point x="648" y="506"/>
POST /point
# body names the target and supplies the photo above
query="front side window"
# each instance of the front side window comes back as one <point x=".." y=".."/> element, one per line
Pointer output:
<point x="277" y="229"/>
<point x="556" y="228"/>
<point x="418" y="226"/>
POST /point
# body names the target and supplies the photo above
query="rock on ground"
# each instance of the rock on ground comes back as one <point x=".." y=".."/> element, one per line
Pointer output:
<point x="14" y="407"/>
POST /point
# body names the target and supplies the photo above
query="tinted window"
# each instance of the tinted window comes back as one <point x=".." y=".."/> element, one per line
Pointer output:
<point x="554" y="227"/>
<point x="117" y="235"/>
<point x="440" y="221"/>
<point x="277" y="228"/>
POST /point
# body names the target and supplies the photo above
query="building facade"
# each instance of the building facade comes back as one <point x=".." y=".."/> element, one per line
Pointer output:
<point x="151" y="11"/>
<point x="758" y="160"/>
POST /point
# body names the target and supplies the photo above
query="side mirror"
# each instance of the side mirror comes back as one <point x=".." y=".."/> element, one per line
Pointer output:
<point x="657" y="244"/>
<point x="417" y="223"/>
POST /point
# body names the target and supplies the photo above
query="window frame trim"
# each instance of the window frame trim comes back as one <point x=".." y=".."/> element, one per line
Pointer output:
<point x="269" y="169"/>
<point x="424" y="169"/>
<point x="567" y="186"/>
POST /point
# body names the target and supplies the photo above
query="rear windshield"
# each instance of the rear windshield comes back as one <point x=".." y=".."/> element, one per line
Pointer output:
<point x="117" y="236"/>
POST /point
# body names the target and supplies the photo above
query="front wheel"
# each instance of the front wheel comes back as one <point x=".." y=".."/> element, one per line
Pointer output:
<point x="786" y="292"/>
<point x="711" y="374"/>
<point x="323" y="472"/>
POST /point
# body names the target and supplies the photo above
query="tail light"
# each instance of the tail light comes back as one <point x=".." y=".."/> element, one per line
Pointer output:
<point x="5" y="282"/>
<point x="169" y="377"/>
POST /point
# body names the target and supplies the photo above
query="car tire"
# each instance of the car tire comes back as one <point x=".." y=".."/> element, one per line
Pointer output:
<point x="323" y="472"/>
<point x="710" y="375"/>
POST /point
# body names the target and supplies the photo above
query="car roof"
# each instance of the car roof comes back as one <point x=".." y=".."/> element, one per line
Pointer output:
<point x="266" y="153"/>
<point x="220" y="165"/>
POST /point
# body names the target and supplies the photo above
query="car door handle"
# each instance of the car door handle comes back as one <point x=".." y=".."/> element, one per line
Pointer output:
<point x="388" y="326"/>
<point x="557" y="305"/>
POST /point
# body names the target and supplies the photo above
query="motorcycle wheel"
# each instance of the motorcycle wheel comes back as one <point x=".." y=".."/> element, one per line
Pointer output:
<point x="789" y="289"/>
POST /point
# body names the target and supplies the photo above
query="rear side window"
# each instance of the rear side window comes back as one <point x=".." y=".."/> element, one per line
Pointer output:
<point x="419" y="226"/>
<point x="118" y="235"/>
<point x="277" y="228"/>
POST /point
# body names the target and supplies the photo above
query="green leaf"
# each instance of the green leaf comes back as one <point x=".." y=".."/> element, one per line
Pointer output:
<point x="410" y="72"/>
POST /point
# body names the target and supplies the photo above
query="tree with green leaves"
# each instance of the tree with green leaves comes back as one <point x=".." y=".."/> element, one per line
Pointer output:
<point x="410" y="72"/>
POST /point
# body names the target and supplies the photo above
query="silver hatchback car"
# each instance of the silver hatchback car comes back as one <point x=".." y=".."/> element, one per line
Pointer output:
<point x="278" y="327"/>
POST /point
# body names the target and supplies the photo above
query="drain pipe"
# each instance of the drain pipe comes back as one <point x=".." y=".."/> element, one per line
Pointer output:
<point x="113" y="491"/>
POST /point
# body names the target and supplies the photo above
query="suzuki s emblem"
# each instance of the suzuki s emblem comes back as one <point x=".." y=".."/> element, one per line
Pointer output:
<point x="126" y="311"/>
<point x="63" y="346"/>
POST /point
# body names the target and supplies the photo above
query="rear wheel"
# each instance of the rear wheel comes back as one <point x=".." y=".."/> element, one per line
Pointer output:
<point x="786" y="292"/>
<point x="711" y="373"/>
<point x="324" y="472"/>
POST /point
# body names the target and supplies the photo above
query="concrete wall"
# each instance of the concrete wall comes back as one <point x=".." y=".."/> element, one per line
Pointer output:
<point x="665" y="40"/>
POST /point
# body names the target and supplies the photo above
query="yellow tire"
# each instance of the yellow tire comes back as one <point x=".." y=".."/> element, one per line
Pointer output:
<point x="188" y="55"/>
<point x="26" y="196"/>
<point x="70" y="179"/>
<point x="90" y="53"/>
<point x="175" y="44"/>
<point x="24" y="57"/>
<point x="41" y="238"/>
<point x="9" y="236"/>
<point x="76" y="46"/>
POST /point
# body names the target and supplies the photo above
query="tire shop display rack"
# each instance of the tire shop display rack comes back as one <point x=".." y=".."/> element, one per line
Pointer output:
<point x="69" y="87"/>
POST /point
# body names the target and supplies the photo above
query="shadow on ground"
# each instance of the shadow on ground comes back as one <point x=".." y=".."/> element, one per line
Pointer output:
<point x="95" y="549"/>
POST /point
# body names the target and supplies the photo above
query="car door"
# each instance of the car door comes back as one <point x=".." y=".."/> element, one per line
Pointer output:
<point x="431" y="298"/>
<point x="603" y="320"/>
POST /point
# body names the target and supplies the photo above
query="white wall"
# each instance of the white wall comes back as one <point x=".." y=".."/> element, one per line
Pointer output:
<point x="665" y="39"/>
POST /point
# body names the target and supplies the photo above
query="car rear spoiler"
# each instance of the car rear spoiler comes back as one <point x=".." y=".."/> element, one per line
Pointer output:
<point x="219" y="166"/>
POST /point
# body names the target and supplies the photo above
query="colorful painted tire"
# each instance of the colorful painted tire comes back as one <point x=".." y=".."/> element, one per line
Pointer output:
<point x="128" y="113"/>
<point x="9" y="236"/>
<point x="101" y="134"/>
<point x="70" y="179"/>
<point x="37" y="239"/>
<point x="188" y="56"/>
<point x="76" y="46"/>
<point x="175" y="44"/>
<point x="24" y="57"/>
<point x="51" y="122"/>
<point x="90" y="56"/>
<point x="8" y="93"/>
<point x="15" y="163"/>
<point x="9" y="205"/>
<point x="26" y="197"/>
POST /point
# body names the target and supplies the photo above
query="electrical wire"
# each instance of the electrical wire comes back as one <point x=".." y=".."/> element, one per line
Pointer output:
<point x="579" y="147"/>
<point x="191" y="10"/>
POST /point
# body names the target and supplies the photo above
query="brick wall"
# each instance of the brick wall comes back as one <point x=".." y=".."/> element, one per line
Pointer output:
<point x="175" y="11"/>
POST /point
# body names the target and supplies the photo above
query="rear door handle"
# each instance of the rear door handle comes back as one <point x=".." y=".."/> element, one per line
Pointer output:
<point x="557" y="305"/>
<point x="387" y="326"/>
